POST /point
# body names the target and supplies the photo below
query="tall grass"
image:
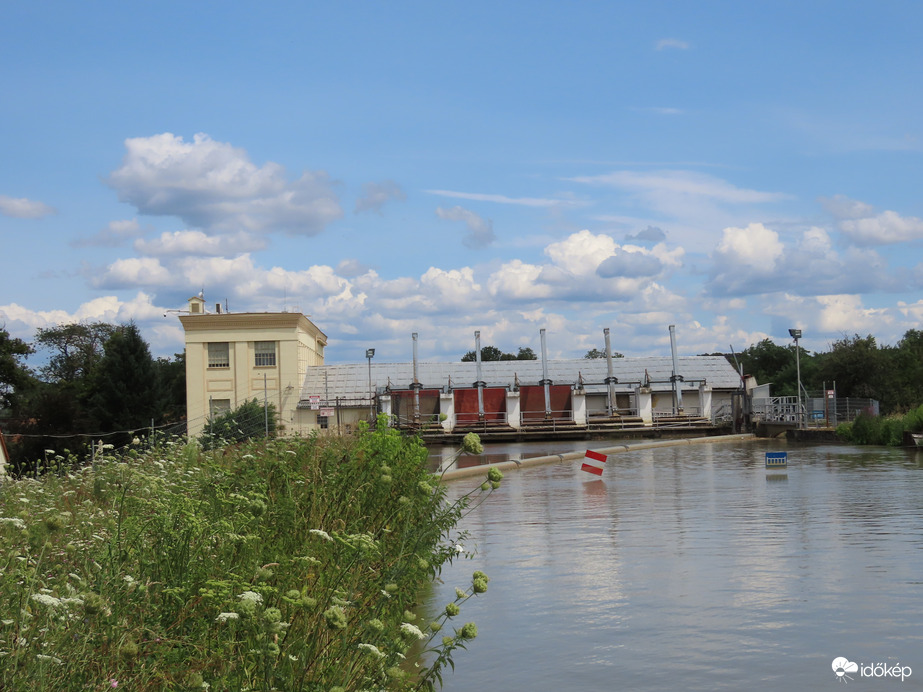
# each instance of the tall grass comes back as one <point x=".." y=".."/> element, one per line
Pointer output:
<point x="878" y="430"/>
<point x="283" y="565"/>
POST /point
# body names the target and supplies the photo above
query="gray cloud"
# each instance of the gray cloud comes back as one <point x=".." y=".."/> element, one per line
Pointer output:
<point x="115" y="233"/>
<point x="652" y="234"/>
<point x="629" y="265"/>
<point x="23" y="208"/>
<point x="376" y="195"/>
<point x="480" y="230"/>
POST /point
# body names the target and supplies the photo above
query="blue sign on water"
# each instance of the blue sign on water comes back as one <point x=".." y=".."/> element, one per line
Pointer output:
<point x="776" y="459"/>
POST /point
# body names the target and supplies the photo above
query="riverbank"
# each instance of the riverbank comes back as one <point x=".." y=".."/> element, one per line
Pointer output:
<point x="514" y="465"/>
<point x="288" y="564"/>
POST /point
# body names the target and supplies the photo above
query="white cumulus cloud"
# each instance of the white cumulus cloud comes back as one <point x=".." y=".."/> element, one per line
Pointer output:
<point x="214" y="186"/>
<point x="883" y="229"/>
<point x="199" y="243"/>
<point x="755" y="246"/>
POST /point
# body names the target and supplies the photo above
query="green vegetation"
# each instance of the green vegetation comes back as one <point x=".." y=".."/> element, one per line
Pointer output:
<point x="272" y="565"/>
<point x="97" y="379"/>
<point x="490" y="353"/>
<point x="856" y="365"/>
<point x="881" y="430"/>
<point x="594" y="353"/>
<point x="246" y="422"/>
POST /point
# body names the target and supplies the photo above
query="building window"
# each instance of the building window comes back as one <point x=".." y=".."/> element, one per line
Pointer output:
<point x="322" y="422"/>
<point x="218" y="407"/>
<point x="265" y="353"/>
<point x="219" y="355"/>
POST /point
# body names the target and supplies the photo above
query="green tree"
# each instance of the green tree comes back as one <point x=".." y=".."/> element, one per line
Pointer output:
<point x="594" y="353"/>
<point x="857" y="366"/>
<point x="171" y="375"/>
<point x="15" y="377"/>
<point x="772" y="364"/>
<point x="492" y="353"/>
<point x="906" y="368"/>
<point x="247" y="421"/>
<point x="125" y="390"/>
<point x="75" y="351"/>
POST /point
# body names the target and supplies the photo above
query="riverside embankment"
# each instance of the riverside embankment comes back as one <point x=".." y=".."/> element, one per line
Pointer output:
<point x="475" y="467"/>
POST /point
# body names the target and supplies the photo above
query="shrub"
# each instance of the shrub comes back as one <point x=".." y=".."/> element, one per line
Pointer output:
<point x="248" y="421"/>
<point x="285" y="565"/>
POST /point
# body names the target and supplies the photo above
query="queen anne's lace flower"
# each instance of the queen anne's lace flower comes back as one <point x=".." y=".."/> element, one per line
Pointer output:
<point x="412" y="630"/>
<point x="47" y="600"/>
<point x="372" y="649"/>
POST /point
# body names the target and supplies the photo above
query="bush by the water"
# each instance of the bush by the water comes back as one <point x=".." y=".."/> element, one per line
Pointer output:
<point x="283" y="565"/>
<point x="881" y="430"/>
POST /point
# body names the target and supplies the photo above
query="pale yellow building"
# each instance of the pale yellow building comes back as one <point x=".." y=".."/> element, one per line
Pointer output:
<point x="232" y="358"/>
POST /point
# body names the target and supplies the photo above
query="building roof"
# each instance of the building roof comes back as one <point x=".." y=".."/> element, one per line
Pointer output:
<point x="351" y="380"/>
<point x="250" y="320"/>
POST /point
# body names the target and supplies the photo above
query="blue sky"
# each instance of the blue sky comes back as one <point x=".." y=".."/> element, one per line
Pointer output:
<point x="734" y="169"/>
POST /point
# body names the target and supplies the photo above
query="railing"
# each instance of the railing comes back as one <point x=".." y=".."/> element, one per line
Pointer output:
<point x="814" y="412"/>
<point x="552" y="418"/>
<point x="604" y="414"/>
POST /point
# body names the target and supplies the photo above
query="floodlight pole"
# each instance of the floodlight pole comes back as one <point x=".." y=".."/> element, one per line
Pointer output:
<point x="796" y="334"/>
<point x="369" y="353"/>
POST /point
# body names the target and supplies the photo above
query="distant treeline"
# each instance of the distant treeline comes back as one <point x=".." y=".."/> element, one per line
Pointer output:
<point x="855" y="366"/>
<point x="96" y="378"/>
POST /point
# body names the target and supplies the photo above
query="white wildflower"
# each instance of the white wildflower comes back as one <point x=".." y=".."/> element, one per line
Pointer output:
<point x="385" y="594"/>
<point x="47" y="600"/>
<point x="53" y="659"/>
<point x="372" y="649"/>
<point x="251" y="596"/>
<point x="224" y="617"/>
<point x="49" y="451"/>
<point x="459" y="548"/>
<point x="321" y="534"/>
<point x="409" y="629"/>
<point x="13" y="521"/>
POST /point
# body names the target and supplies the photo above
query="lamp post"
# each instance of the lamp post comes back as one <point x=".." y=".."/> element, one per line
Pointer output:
<point x="796" y="334"/>
<point x="369" y="353"/>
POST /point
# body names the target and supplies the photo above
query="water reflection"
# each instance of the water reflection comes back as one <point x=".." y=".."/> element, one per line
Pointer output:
<point x="692" y="567"/>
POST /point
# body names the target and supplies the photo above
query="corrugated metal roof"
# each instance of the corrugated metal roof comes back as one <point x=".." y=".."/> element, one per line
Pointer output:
<point x="351" y="380"/>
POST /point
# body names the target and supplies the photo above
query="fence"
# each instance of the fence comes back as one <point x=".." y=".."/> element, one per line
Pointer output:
<point x="815" y="411"/>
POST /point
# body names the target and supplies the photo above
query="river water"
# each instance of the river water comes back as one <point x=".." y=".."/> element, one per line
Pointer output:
<point x="693" y="567"/>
